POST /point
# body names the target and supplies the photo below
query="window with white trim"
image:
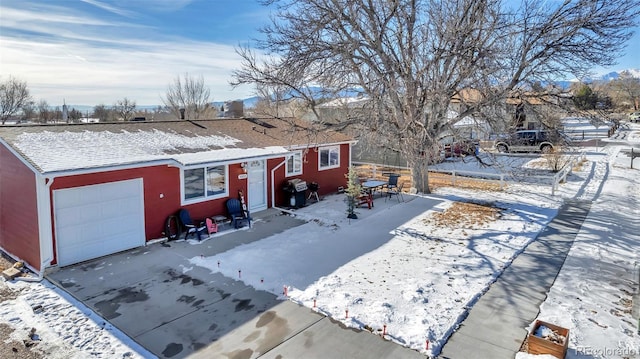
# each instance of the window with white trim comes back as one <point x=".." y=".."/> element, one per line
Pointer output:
<point x="329" y="157"/>
<point x="294" y="164"/>
<point x="203" y="183"/>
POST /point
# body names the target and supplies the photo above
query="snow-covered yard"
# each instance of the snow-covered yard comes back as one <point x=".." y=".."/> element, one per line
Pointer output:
<point x="412" y="276"/>
<point x="581" y="128"/>
<point x="416" y="278"/>
<point x="592" y="295"/>
<point x="66" y="329"/>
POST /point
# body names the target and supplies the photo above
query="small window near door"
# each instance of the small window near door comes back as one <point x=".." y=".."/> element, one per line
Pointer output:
<point x="294" y="164"/>
<point x="329" y="157"/>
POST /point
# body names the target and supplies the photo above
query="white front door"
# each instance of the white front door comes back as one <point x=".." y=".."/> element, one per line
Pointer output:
<point x="257" y="186"/>
<point x="97" y="220"/>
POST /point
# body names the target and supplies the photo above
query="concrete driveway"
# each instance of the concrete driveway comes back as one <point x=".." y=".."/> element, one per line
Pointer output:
<point x="176" y="310"/>
<point x="170" y="307"/>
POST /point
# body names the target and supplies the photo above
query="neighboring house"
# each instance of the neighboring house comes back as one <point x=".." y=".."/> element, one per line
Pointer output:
<point x="70" y="193"/>
<point x="460" y="101"/>
<point x="468" y="128"/>
<point x="535" y="110"/>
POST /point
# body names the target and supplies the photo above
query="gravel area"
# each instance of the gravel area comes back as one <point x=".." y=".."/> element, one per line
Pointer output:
<point x="10" y="347"/>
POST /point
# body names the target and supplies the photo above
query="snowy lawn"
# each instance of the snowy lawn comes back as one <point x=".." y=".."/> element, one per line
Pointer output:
<point x="57" y="326"/>
<point x="414" y="267"/>
<point x="592" y="296"/>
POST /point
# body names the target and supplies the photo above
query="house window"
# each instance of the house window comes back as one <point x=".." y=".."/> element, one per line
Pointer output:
<point x="205" y="183"/>
<point x="294" y="164"/>
<point x="329" y="157"/>
<point x="216" y="181"/>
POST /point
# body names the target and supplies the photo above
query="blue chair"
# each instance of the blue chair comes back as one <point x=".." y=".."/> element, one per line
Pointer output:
<point x="188" y="225"/>
<point x="393" y="181"/>
<point x="239" y="217"/>
<point x="395" y="191"/>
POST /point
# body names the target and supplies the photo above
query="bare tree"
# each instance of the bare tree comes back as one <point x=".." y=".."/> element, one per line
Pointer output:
<point x="44" y="112"/>
<point x="125" y="109"/>
<point x="627" y="88"/>
<point x="14" y="94"/>
<point x="75" y="115"/>
<point x="412" y="58"/>
<point x="28" y="111"/>
<point x="273" y="102"/>
<point x="188" y="93"/>
<point x="56" y="114"/>
<point x="101" y="112"/>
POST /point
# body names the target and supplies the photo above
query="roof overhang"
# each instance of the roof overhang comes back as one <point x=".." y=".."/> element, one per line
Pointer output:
<point x="230" y="155"/>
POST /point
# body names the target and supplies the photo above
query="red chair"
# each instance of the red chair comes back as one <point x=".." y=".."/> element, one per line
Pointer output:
<point x="365" y="198"/>
<point x="212" y="227"/>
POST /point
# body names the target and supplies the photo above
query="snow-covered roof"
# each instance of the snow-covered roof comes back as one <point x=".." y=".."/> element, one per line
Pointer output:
<point x="345" y="101"/>
<point x="75" y="150"/>
<point x="60" y="148"/>
<point x="466" y="121"/>
<point x="227" y="154"/>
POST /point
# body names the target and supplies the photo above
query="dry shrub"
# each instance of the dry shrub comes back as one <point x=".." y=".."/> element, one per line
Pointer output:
<point x="579" y="164"/>
<point x="437" y="180"/>
<point x="465" y="215"/>
<point x="556" y="160"/>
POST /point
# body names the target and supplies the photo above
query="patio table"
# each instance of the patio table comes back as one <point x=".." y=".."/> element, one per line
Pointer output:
<point x="372" y="185"/>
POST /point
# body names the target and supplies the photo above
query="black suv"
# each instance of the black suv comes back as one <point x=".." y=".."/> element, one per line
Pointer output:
<point x="529" y="141"/>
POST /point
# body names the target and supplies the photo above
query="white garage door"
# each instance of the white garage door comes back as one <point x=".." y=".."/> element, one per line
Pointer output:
<point x="97" y="220"/>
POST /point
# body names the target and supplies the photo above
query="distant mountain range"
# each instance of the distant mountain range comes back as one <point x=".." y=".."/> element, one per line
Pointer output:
<point x="614" y="75"/>
<point x="251" y="101"/>
<point x="611" y="76"/>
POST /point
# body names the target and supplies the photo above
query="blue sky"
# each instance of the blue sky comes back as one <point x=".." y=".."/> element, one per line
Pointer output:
<point x="89" y="52"/>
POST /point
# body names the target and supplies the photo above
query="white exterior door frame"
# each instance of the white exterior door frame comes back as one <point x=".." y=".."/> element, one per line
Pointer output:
<point x="257" y="185"/>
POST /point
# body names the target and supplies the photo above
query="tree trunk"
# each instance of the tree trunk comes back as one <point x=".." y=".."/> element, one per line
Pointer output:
<point x="420" y="174"/>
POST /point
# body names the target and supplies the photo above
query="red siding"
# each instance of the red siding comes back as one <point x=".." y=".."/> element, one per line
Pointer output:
<point x="18" y="203"/>
<point x="329" y="180"/>
<point x="18" y="209"/>
<point x="157" y="181"/>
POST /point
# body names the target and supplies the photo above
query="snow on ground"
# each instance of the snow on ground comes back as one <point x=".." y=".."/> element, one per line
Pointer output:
<point x="421" y="278"/>
<point x="416" y="278"/>
<point x="592" y="295"/>
<point x="64" y="328"/>
<point x="401" y="268"/>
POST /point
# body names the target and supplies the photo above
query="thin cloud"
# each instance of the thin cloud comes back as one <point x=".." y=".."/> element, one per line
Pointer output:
<point x="157" y="5"/>
<point x="110" y="8"/>
<point x="52" y="15"/>
<point x="85" y="74"/>
<point x="89" y="60"/>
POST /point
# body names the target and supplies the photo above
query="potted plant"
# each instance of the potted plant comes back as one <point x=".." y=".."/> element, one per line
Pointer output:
<point x="353" y="192"/>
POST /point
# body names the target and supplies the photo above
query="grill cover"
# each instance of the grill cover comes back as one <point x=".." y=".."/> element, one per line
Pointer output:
<point x="298" y="184"/>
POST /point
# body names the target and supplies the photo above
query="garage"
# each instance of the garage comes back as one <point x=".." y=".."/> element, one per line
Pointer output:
<point x="97" y="220"/>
